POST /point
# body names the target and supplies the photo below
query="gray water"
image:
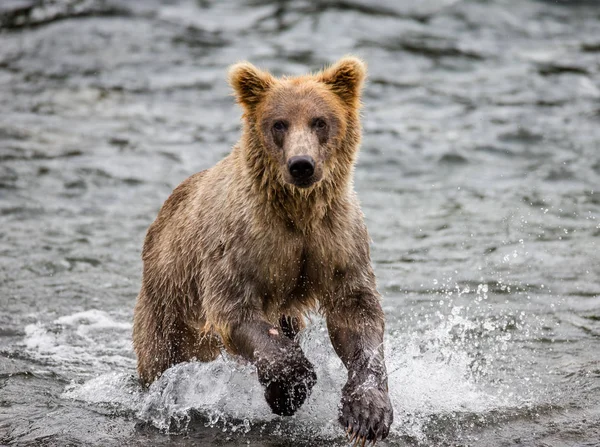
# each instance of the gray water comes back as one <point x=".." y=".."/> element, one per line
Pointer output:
<point x="479" y="177"/>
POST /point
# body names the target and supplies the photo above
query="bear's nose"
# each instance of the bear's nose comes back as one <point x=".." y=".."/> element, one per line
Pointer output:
<point x="301" y="167"/>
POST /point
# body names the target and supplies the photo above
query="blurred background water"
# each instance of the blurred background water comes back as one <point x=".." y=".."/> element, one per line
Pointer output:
<point x="479" y="177"/>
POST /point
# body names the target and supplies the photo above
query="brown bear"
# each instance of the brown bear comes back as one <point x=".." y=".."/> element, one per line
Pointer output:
<point x="241" y="252"/>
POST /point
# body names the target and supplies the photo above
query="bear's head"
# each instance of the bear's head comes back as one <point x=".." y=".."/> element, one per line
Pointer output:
<point x="303" y="130"/>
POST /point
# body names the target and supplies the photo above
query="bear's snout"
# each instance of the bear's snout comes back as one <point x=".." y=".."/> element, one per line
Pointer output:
<point x="301" y="167"/>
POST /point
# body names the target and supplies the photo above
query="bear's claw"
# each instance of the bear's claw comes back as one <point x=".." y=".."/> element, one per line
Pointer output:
<point x="366" y="413"/>
<point x="355" y="440"/>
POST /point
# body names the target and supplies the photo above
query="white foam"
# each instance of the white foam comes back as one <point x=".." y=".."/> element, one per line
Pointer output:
<point x="117" y="389"/>
<point x="88" y="342"/>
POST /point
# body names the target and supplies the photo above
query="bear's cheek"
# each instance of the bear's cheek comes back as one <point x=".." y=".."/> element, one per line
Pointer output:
<point x="272" y="144"/>
<point x="275" y="147"/>
<point x="331" y="143"/>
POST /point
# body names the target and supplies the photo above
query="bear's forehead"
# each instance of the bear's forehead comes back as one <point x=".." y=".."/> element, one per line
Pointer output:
<point x="300" y="98"/>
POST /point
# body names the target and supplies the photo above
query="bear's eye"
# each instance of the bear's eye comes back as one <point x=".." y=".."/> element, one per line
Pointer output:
<point x="319" y="123"/>
<point x="279" y="126"/>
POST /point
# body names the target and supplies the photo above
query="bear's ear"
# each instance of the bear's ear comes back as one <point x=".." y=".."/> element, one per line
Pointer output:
<point x="345" y="78"/>
<point x="249" y="83"/>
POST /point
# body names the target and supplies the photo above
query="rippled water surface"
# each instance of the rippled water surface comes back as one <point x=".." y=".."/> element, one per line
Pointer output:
<point x="479" y="177"/>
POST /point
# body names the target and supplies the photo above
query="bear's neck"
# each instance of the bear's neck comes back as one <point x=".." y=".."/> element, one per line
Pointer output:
<point x="299" y="209"/>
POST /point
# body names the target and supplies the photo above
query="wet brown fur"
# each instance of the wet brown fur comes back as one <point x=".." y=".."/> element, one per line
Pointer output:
<point x="237" y="243"/>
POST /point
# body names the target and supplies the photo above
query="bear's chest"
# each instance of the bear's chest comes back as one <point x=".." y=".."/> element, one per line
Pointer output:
<point x="301" y="267"/>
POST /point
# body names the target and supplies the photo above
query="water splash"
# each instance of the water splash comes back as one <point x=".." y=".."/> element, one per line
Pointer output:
<point x="443" y="369"/>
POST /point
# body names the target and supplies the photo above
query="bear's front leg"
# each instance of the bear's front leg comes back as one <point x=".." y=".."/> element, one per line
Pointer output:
<point x="356" y="328"/>
<point x="283" y="370"/>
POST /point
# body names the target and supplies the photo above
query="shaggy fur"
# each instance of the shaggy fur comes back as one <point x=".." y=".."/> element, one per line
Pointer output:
<point x="239" y="253"/>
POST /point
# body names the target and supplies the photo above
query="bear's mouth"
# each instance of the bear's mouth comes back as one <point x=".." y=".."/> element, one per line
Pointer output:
<point x="304" y="183"/>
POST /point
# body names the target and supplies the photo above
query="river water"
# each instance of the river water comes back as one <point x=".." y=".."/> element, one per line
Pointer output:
<point x="479" y="177"/>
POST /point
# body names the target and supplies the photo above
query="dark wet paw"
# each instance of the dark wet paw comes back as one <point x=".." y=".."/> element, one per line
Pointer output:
<point x="366" y="412"/>
<point x="286" y="398"/>
<point x="286" y="389"/>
